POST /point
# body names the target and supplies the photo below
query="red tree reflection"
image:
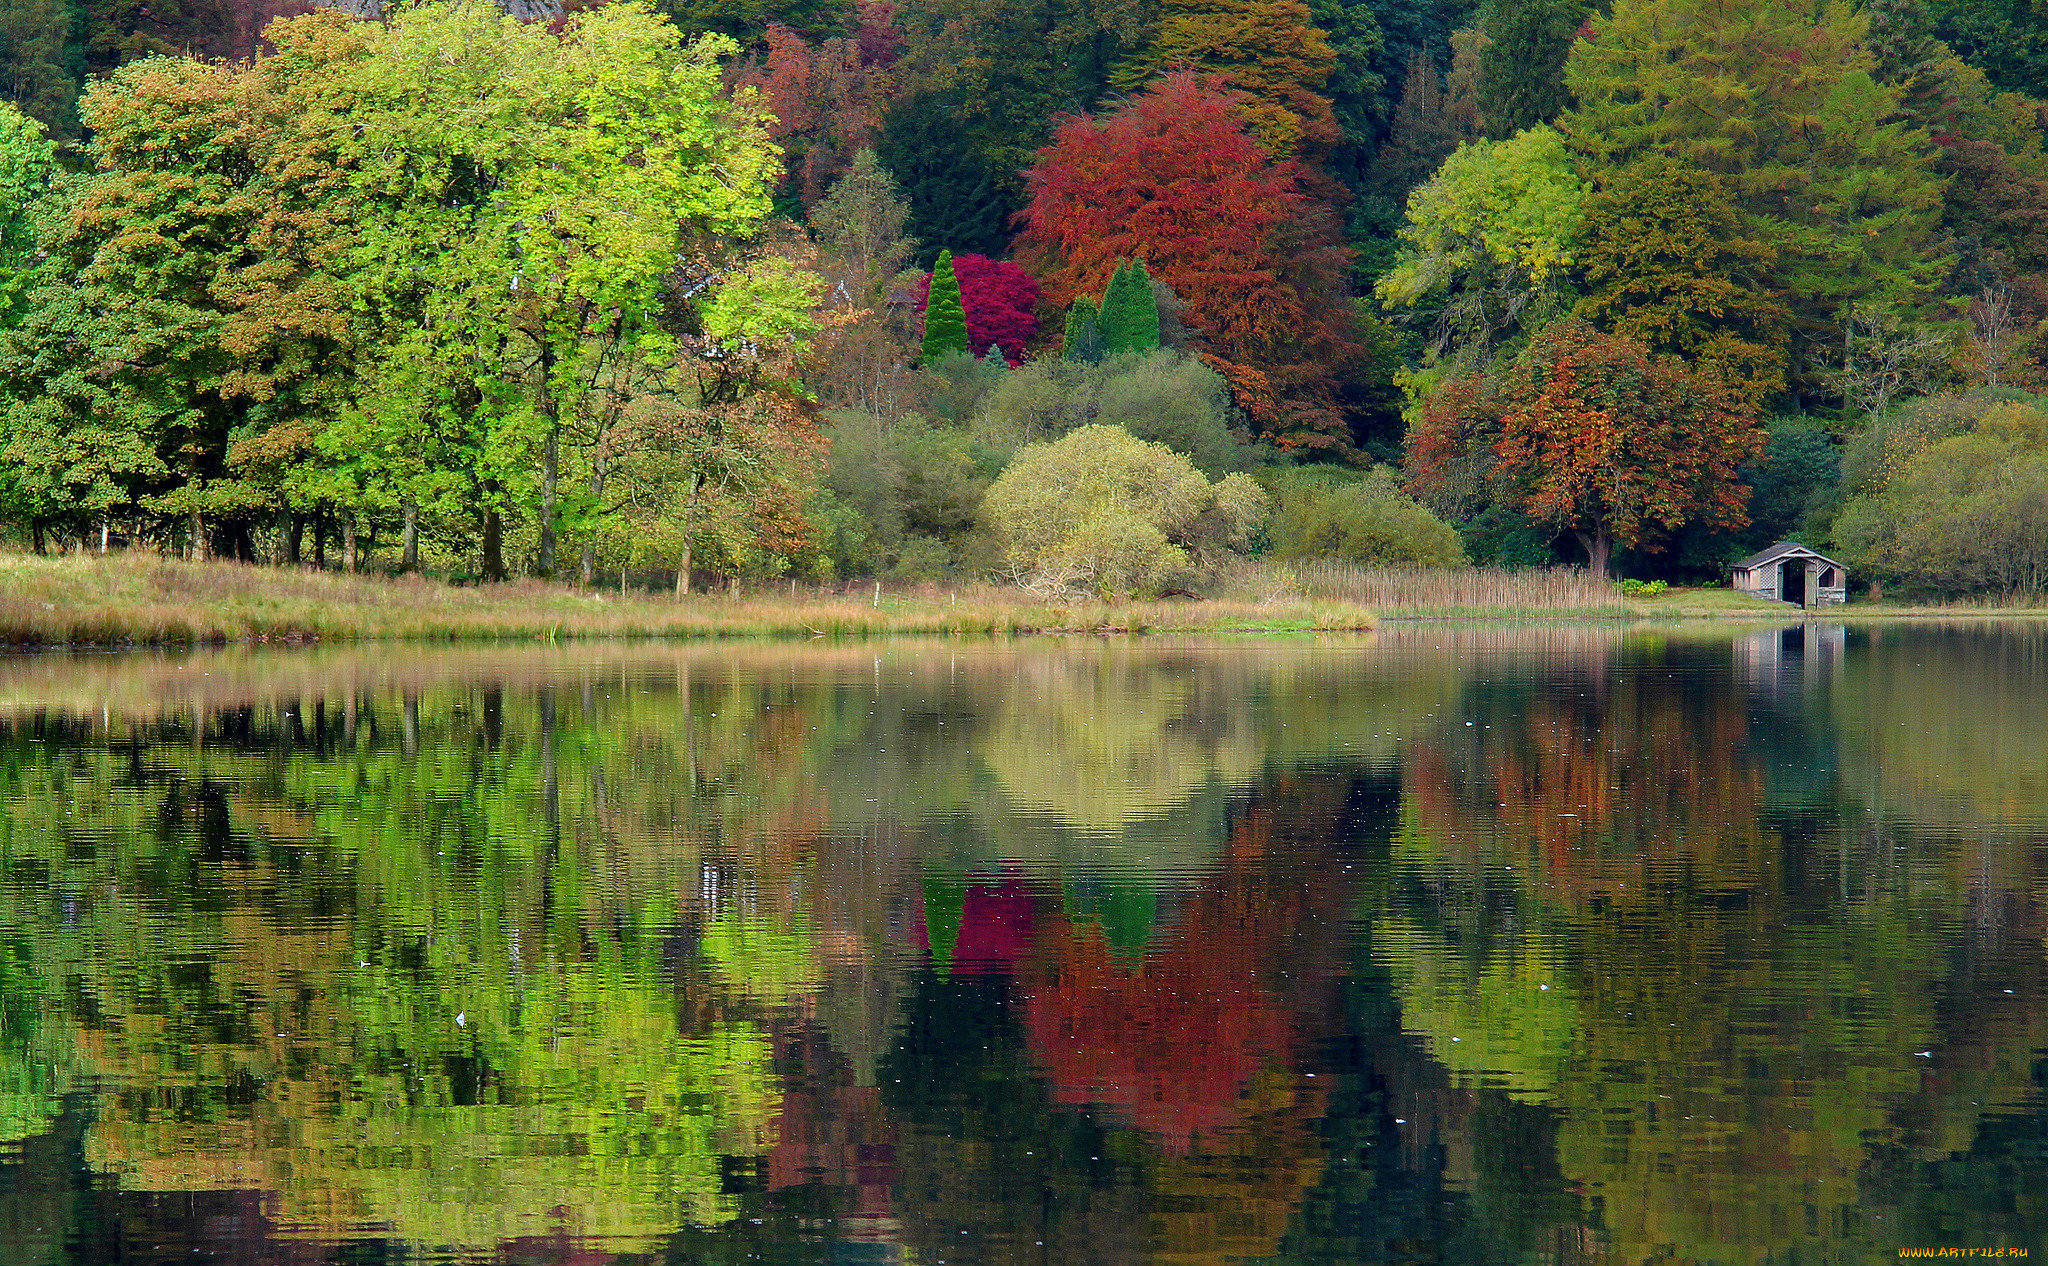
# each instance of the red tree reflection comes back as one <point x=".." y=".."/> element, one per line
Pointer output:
<point x="1171" y="1042"/>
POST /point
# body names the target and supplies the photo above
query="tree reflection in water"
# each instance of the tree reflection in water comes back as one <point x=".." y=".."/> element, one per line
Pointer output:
<point x="1473" y="944"/>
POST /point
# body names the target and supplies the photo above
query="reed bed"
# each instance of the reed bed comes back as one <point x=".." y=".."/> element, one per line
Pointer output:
<point x="140" y="599"/>
<point x="1442" y="592"/>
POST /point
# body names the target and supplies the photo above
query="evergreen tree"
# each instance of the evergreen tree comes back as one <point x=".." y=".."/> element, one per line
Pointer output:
<point x="1428" y="125"/>
<point x="1778" y="100"/>
<point x="2006" y="39"/>
<point x="1522" y="70"/>
<point x="1083" y="339"/>
<point x="952" y="196"/>
<point x="945" y="320"/>
<point x="32" y="48"/>
<point x="1905" y="52"/>
<point x="1130" y="315"/>
<point x="1356" y="88"/>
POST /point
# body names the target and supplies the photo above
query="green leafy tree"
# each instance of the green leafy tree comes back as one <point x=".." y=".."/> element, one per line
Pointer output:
<point x="1490" y="244"/>
<point x="945" y="320"/>
<point x="1666" y="261"/>
<point x="189" y="294"/>
<point x="25" y="164"/>
<point x="537" y="280"/>
<point x="1779" y="100"/>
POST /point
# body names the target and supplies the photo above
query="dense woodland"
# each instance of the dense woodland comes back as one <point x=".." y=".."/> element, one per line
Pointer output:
<point x="1085" y="294"/>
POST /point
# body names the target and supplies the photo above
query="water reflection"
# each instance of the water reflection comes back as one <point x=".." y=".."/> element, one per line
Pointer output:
<point x="1462" y="944"/>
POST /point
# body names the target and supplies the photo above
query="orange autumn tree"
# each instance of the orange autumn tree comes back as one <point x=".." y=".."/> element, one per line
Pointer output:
<point x="1177" y="178"/>
<point x="826" y="101"/>
<point x="1590" y="433"/>
<point x="1272" y="49"/>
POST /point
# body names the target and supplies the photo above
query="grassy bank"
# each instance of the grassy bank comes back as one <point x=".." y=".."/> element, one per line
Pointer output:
<point x="140" y="599"/>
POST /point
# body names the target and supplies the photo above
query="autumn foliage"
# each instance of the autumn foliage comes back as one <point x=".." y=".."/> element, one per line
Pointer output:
<point x="1001" y="301"/>
<point x="1589" y="433"/>
<point x="1178" y="178"/>
<point x="826" y="100"/>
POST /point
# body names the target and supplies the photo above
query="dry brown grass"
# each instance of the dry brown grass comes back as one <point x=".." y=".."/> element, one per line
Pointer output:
<point x="1440" y="592"/>
<point x="140" y="599"/>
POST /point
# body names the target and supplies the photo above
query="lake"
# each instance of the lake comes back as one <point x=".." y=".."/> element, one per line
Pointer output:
<point x="1458" y="944"/>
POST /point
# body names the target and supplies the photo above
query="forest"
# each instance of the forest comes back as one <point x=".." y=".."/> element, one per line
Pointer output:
<point x="1090" y="296"/>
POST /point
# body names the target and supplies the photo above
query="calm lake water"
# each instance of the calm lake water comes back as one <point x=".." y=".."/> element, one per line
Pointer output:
<point x="1451" y="944"/>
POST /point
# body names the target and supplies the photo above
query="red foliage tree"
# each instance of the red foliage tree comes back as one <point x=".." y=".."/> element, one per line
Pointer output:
<point x="1001" y="301"/>
<point x="1178" y="177"/>
<point x="826" y="99"/>
<point x="1599" y="438"/>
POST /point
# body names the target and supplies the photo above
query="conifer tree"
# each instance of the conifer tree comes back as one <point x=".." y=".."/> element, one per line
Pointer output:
<point x="1779" y="100"/>
<point x="1083" y="340"/>
<point x="1130" y="314"/>
<point x="945" y="320"/>
<point x="1521" y="79"/>
<point x="952" y="194"/>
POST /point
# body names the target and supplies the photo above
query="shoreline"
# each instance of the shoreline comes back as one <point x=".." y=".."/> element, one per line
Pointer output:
<point x="138" y="601"/>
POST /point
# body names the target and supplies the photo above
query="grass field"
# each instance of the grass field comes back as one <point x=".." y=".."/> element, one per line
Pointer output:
<point x="143" y="600"/>
<point x="140" y="599"/>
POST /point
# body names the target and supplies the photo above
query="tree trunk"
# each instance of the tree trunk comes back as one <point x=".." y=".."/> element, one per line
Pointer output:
<point x="104" y="533"/>
<point x="1599" y="547"/>
<point x="294" y="536"/>
<point x="494" y="546"/>
<point x="550" y="463"/>
<point x="348" y="543"/>
<point x="37" y="540"/>
<point x="689" y="534"/>
<point x="596" y="489"/>
<point x="198" y="530"/>
<point x="410" y="560"/>
<point x="320" y="538"/>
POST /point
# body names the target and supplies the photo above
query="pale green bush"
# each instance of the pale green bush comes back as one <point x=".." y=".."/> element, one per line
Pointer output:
<point x="1103" y="511"/>
<point x="1366" y="520"/>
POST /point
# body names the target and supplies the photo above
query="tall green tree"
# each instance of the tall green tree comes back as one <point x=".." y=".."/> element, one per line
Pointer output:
<point x="953" y="195"/>
<point x="1129" y="321"/>
<point x="1666" y="261"/>
<point x="189" y="296"/>
<point x="1490" y="245"/>
<point x="1358" y="89"/>
<point x="33" y="74"/>
<point x="945" y="320"/>
<point x="1779" y="100"/>
<point x="1082" y="340"/>
<point x="2006" y="39"/>
<point x="1522" y="70"/>
<point x="585" y="166"/>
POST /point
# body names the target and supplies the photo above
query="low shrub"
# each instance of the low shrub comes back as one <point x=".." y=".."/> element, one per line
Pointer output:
<point x="1369" y="521"/>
